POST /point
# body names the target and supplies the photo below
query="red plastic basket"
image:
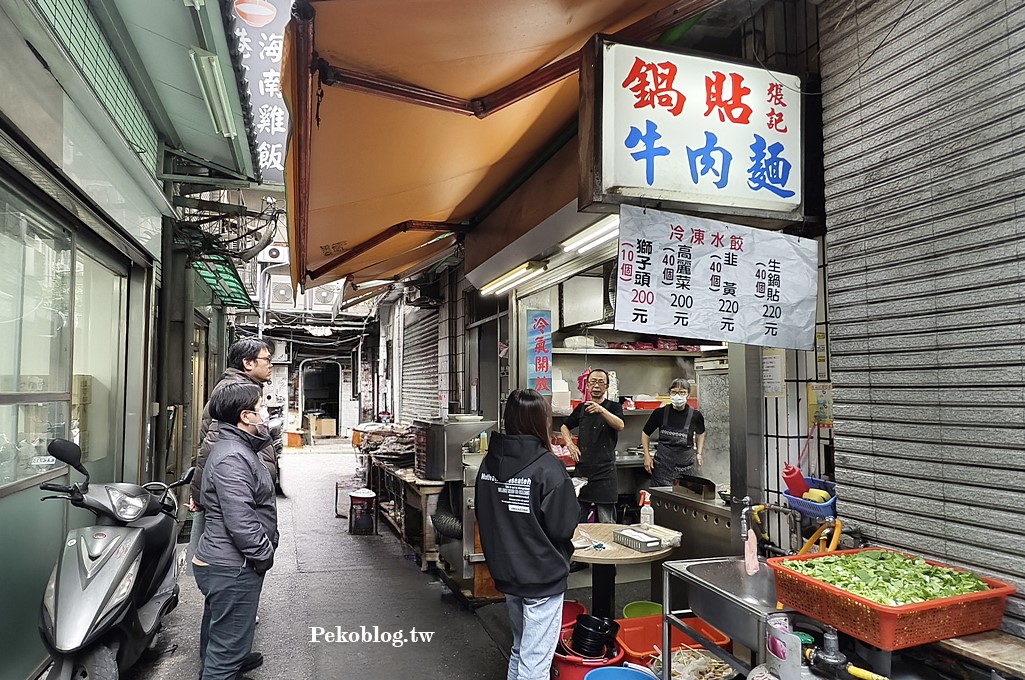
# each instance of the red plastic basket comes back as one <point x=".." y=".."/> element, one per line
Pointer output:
<point x="890" y="628"/>
<point x="638" y="637"/>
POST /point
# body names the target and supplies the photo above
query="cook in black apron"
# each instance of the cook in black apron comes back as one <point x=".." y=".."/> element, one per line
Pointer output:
<point x="597" y="441"/>
<point x="597" y="461"/>
<point x="676" y="455"/>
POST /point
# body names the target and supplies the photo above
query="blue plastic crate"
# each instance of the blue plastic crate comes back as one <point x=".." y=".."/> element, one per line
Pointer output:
<point x="812" y="509"/>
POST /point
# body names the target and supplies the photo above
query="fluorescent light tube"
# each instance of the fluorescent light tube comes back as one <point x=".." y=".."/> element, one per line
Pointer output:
<point x="520" y="281"/>
<point x="594" y="244"/>
<point x="505" y="278"/>
<point x="596" y="230"/>
<point x="215" y="93"/>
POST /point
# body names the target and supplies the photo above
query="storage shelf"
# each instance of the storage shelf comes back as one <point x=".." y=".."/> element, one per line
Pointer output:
<point x="599" y="351"/>
<point x="633" y="412"/>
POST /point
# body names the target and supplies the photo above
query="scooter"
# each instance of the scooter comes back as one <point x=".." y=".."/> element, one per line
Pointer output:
<point x="113" y="581"/>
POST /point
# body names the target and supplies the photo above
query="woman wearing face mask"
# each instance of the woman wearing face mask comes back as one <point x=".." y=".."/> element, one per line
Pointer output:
<point x="681" y="437"/>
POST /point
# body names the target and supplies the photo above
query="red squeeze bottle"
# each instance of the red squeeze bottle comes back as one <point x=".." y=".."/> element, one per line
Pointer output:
<point x="795" y="481"/>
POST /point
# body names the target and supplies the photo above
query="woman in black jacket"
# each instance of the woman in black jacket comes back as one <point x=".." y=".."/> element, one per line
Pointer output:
<point x="526" y="513"/>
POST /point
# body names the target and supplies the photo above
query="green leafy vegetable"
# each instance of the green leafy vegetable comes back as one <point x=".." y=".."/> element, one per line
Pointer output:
<point x="887" y="577"/>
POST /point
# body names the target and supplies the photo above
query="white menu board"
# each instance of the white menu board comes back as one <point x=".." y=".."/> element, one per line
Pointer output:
<point x="697" y="278"/>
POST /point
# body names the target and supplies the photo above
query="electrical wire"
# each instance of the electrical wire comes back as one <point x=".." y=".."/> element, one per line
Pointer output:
<point x="242" y="331"/>
<point x="856" y="71"/>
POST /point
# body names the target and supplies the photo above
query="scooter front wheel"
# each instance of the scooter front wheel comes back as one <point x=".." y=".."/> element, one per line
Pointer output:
<point x="98" y="663"/>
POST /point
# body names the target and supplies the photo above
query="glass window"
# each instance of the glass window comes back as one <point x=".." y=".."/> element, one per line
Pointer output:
<point x="25" y="430"/>
<point x="96" y="393"/>
<point x="35" y="337"/>
<point x="35" y="297"/>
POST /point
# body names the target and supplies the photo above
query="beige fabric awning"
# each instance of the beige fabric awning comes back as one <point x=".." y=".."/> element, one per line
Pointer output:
<point x="410" y="117"/>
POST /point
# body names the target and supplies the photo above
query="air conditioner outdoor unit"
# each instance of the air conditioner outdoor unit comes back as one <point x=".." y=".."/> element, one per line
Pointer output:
<point x="279" y="294"/>
<point x="322" y="298"/>
<point x="273" y="255"/>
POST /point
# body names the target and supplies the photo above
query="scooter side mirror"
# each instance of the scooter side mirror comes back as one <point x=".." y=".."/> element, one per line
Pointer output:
<point x="187" y="477"/>
<point x="68" y="452"/>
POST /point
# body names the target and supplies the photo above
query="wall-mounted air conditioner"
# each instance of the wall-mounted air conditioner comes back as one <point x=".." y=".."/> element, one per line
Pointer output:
<point x="273" y="255"/>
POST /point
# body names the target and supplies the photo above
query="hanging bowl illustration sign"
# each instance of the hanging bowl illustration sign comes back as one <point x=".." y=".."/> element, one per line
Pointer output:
<point x="256" y="13"/>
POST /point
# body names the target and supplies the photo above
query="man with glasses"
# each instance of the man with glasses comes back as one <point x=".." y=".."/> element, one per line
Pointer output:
<point x="249" y="363"/>
<point x="599" y="421"/>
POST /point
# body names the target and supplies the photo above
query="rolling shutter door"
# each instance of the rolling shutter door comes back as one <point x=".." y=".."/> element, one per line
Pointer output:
<point x="924" y="293"/>
<point x="420" y="366"/>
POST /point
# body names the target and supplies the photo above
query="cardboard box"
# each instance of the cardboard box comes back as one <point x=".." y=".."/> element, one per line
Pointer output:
<point x="326" y="427"/>
<point x="81" y="389"/>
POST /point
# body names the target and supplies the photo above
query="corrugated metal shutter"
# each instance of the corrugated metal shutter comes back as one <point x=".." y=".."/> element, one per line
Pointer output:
<point x="925" y="278"/>
<point x="420" y="366"/>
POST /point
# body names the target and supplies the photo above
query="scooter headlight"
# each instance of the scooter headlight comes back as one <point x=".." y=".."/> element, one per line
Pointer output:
<point x="50" y="594"/>
<point x="123" y="589"/>
<point x="127" y="508"/>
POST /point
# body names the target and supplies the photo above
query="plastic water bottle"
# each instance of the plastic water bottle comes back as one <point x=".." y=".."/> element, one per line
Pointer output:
<point x="647" y="513"/>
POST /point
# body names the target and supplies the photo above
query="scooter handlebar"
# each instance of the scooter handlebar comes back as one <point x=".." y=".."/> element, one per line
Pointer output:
<point x="58" y="488"/>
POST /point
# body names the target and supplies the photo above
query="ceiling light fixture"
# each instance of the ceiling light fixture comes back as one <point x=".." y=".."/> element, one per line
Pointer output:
<point x="520" y="281"/>
<point x="600" y="228"/>
<point x="215" y="93"/>
<point x="516" y="273"/>
<point x="598" y="241"/>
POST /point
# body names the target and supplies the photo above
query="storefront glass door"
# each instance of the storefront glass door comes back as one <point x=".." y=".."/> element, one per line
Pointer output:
<point x="97" y="388"/>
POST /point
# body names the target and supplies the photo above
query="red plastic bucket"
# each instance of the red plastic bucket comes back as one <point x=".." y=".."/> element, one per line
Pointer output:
<point x="571" y="609"/>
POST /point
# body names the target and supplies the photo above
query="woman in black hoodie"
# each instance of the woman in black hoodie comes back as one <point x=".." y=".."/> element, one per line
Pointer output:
<point x="526" y="512"/>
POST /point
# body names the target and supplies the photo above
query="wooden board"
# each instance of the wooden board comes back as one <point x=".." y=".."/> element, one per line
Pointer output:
<point x="999" y="651"/>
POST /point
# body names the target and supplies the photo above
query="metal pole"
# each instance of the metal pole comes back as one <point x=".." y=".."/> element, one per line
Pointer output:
<point x="261" y="301"/>
<point x="747" y="446"/>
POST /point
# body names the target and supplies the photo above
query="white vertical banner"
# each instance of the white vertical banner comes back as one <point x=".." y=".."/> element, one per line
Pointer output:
<point x="697" y="278"/>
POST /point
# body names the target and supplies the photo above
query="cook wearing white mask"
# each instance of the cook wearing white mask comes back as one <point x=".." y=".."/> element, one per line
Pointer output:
<point x="681" y="437"/>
